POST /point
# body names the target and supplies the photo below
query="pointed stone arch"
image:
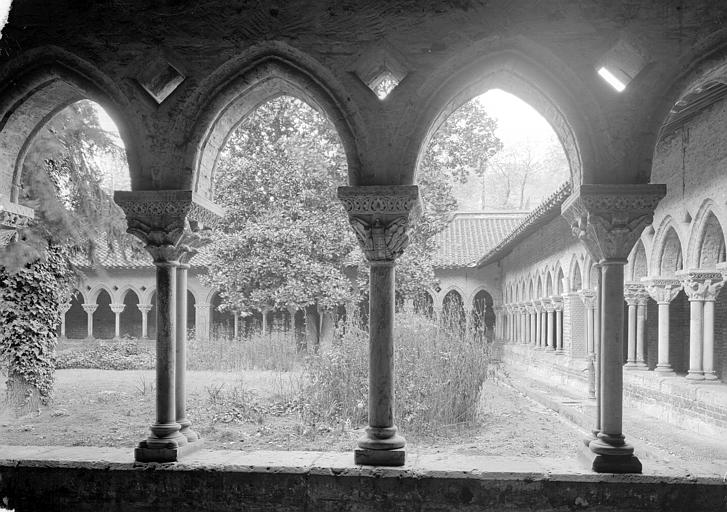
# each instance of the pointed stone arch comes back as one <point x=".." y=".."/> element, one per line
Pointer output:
<point x="667" y="255"/>
<point x="239" y="86"/>
<point x="37" y="85"/>
<point x="638" y="262"/>
<point x="706" y="245"/>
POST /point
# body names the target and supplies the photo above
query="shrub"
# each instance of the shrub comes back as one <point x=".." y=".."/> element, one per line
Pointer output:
<point x="438" y="376"/>
<point x="127" y="354"/>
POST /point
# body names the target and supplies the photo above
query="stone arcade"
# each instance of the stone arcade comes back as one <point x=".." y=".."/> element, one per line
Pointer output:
<point x="645" y="202"/>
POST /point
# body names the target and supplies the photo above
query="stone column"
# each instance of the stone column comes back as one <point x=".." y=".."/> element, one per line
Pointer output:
<point x="13" y="218"/>
<point x="663" y="291"/>
<point x="236" y="325"/>
<point x="609" y="219"/>
<point x="549" y="324"/>
<point x="702" y="288"/>
<point x="180" y="383"/>
<point x="533" y="325"/>
<point x="64" y="308"/>
<point x="144" y="309"/>
<point x="379" y="216"/>
<point x="117" y="309"/>
<point x="170" y="223"/>
<point x="538" y="325"/>
<point x="202" y="320"/>
<point x="89" y="309"/>
<point x="631" y="295"/>
<point x="641" y="304"/>
<point x="557" y="303"/>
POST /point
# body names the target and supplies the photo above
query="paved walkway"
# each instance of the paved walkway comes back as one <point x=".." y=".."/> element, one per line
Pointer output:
<point x="659" y="445"/>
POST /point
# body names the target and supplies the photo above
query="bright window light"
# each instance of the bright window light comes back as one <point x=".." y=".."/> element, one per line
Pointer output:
<point x="611" y="79"/>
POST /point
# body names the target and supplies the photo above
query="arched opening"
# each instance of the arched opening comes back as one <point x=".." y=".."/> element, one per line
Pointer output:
<point x="76" y="318"/>
<point x="712" y="246"/>
<point x="559" y="278"/>
<point x="424" y="304"/>
<point x="671" y="254"/>
<point x="576" y="279"/>
<point x="104" y="320"/>
<point x="483" y="316"/>
<point x="639" y="265"/>
<point x="131" y="316"/>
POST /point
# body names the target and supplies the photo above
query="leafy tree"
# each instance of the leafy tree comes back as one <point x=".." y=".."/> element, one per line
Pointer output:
<point x="286" y="239"/>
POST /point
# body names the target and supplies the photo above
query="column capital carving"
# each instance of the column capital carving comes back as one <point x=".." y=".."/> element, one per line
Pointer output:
<point x="633" y="292"/>
<point x="202" y="305"/>
<point x="588" y="297"/>
<point x="557" y="302"/>
<point x="64" y="308"/>
<point x="547" y="305"/>
<point x="379" y="215"/>
<point x="609" y="219"/>
<point x="700" y="284"/>
<point x="117" y="308"/>
<point x="662" y="290"/>
<point x="89" y="308"/>
<point x="13" y="217"/>
<point x="170" y="222"/>
<point x="144" y="308"/>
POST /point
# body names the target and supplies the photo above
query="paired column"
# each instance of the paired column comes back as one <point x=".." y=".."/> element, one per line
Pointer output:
<point x="117" y="309"/>
<point x="702" y="288"/>
<point x="180" y="383"/>
<point x="609" y="219"/>
<point x="538" y="324"/>
<point x="557" y="303"/>
<point x="379" y="215"/>
<point x="663" y="291"/>
<point x="169" y="223"/>
<point x="636" y="298"/>
<point x="89" y="309"/>
<point x="550" y="323"/>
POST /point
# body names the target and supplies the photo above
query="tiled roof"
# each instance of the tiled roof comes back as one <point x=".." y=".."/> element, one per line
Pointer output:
<point x="469" y="235"/>
<point x="548" y="209"/>
<point x="112" y="256"/>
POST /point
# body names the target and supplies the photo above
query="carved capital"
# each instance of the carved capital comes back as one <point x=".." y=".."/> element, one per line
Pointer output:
<point x="144" y="308"/>
<point x="547" y="305"/>
<point x="202" y="306"/>
<point x="634" y="292"/>
<point x="117" y="308"/>
<point x="172" y="223"/>
<point x="662" y="290"/>
<point x="13" y="217"/>
<point x="588" y="297"/>
<point x="701" y="285"/>
<point x="609" y="219"/>
<point x="90" y="308"/>
<point x="379" y="215"/>
<point x="557" y="302"/>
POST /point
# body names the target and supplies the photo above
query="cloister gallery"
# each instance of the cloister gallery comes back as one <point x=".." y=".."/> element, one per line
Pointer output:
<point x="611" y="285"/>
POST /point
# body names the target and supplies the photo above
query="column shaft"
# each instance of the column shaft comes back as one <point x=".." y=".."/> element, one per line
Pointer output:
<point x="663" y="364"/>
<point x="695" y="340"/>
<point x="641" y="334"/>
<point x="631" y="360"/>
<point x="181" y="356"/>
<point x="559" y="330"/>
<point x="708" y="356"/>
<point x="551" y="325"/>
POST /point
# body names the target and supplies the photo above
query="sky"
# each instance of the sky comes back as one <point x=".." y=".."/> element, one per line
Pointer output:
<point x="515" y="118"/>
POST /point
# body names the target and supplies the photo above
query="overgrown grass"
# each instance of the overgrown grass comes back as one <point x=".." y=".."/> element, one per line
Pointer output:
<point x="125" y="354"/>
<point x="439" y="373"/>
<point x="272" y="351"/>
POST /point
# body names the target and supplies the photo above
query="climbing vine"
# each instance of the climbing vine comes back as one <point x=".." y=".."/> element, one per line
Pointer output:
<point x="29" y="315"/>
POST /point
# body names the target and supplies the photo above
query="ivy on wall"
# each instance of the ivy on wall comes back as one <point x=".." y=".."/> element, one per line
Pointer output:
<point x="29" y="315"/>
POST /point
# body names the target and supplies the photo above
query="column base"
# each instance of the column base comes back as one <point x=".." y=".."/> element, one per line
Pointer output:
<point x="640" y="365"/>
<point x="369" y="457"/>
<point x="630" y="365"/>
<point x="560" y="352"/>
<point x="143" y="453"/>
<point x="665" y="370"/>
<point x="710" y="376"/>
<point x="602" y="457"/>
<point x="695" y="376"/>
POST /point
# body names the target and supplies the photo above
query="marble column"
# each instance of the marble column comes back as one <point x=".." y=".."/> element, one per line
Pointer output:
<point x="609" y="219"/>
<point x="180" y="382"/>
<point x="641" y="313"/>
<point x="663" y="291"/>
<point x="702" y="288"/>
<point x="117" y="309"/>
<point x="169" y="222"/>
<point x="549" y="314"/>
<point x="64" y="308"/>
<point x="557" y="303"/>
<point x="538" y="325"/>
<point x="379" y="215"/>
<point x="89" y="309"/>
<point x="144" y="309"/>
<point x="631" y="296"/>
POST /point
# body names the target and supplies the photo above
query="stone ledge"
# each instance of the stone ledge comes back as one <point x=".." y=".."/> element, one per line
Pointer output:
<point x="84" y="478"/>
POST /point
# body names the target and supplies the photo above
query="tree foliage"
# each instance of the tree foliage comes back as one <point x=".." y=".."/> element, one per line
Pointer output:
<point x="286" y="240"/>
